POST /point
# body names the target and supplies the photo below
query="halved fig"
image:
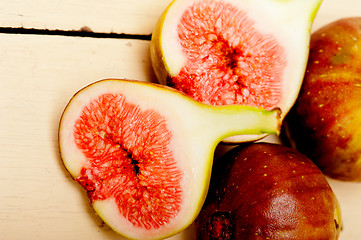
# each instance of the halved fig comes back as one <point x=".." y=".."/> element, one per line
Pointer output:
<point x="144" y="152"/>
<point x="223" y="52"/>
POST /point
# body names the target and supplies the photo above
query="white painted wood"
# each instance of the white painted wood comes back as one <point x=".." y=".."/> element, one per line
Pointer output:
<point x="331" y="10"/>
<point x="38" y="75"/>
<point x="118" y="16"/>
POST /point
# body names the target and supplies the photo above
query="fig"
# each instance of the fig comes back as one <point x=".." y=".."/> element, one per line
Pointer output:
<point x="144" y="152"/>
<point x="223" y="52"/>
<point x="325" y="123"/>
<point x="268" y="191"/>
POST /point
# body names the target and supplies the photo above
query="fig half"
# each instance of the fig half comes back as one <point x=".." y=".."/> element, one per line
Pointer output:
<point x="223" y="52"/>
<point x="144" y="152"/>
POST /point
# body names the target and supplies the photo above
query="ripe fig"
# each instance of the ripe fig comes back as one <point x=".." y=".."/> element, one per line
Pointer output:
<point x="223" y="52"/>
<point x="268" y="191"/>
<point x="144" y="152"/>
<point x="325" y="123"/>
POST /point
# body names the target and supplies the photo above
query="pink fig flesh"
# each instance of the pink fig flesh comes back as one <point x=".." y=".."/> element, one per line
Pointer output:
<point x="229" y="61"/>
<point x="112" y="134"/>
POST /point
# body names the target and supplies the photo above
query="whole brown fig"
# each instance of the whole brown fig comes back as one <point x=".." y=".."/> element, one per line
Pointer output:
<point x="325" y="122"/>
<point x="268" y="191"/>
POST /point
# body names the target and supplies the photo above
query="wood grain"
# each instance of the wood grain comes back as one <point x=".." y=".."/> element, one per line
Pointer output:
<point x="118" y="16"/>
<point x="38" y="77"/>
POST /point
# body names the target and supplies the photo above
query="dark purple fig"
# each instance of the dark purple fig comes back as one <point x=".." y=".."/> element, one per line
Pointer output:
<point x="268" y="191"/>
<point x="325" y="122"/>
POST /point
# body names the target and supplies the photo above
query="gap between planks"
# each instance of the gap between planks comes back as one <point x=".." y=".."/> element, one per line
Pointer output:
<point x="83" y="32"/>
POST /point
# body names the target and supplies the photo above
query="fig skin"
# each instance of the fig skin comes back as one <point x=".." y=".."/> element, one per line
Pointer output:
<point x="324" y="123"/>
<point x="268" y="191"/>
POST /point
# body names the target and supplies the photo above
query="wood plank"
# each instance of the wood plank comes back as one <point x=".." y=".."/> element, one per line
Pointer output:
<point x="38" y="199"/>
<point x="331" y="10"/>
<point x="119" y="16"/>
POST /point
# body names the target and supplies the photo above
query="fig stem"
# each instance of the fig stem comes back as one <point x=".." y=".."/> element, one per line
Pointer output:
<point x="235" y="120"/>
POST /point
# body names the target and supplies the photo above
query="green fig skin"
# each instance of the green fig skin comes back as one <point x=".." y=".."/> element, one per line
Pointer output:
<point x="325" y="122"/>
<point x="268" y="191"/>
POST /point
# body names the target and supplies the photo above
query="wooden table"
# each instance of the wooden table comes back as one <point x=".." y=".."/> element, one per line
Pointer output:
<point x="44" y="60"/>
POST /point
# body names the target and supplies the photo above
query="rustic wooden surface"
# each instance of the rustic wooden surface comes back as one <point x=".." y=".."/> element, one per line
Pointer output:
<point x="40" y="72"/>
